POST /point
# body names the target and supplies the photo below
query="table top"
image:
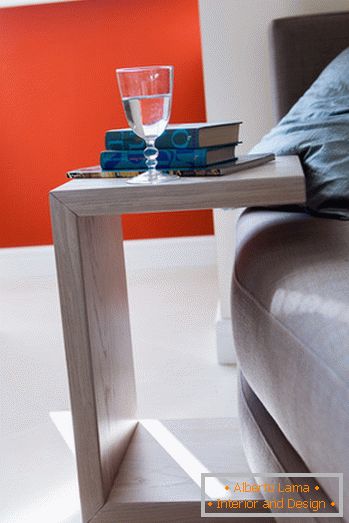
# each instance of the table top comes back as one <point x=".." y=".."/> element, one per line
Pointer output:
<point x="275" y="183"/>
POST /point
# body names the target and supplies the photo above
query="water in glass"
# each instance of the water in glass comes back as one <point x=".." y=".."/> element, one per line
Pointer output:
<point x="147" y="115"/>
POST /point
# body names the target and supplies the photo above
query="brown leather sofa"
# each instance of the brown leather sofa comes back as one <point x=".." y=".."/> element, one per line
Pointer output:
<point x="290" y="300"/>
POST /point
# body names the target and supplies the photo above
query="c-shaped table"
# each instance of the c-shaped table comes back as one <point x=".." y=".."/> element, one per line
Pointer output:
<point x="121" y="467"/>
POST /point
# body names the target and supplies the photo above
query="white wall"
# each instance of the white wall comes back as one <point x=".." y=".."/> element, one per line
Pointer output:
<point x="236" y="58"/>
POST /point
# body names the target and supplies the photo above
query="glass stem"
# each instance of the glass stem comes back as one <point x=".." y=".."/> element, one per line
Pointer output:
<point x="151" y="153"/>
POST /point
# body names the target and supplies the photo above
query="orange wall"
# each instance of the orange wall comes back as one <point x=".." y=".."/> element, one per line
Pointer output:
<point x="58" y="95"/>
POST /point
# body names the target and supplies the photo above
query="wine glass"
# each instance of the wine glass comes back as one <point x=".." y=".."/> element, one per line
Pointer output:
<point x="146" y="94"/>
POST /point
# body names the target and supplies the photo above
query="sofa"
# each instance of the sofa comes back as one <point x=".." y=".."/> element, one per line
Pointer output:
<point x="290" y="300"/>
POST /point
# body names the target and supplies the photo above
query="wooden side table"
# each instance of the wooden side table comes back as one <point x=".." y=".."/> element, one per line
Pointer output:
<point x="125" y="472"/>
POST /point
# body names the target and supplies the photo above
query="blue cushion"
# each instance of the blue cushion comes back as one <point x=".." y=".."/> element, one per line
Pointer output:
<point x="317" y="129"/>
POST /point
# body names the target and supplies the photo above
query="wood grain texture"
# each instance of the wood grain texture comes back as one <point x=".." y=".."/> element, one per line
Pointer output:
<point x="277" y="182"/>
<point x="152" y="486"/>
<point x="152" y="470"/>
<point x="93" y="295"/>
<point x="178" y="512"/>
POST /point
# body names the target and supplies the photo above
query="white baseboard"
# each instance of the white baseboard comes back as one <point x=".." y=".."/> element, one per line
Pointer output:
<point x="162" y="253"/>
<point x="226" y="354"/>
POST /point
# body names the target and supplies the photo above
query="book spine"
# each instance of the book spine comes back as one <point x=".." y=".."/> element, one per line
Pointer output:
<point x="168" y="158"/>
<point x="171" y="139"/>
<point x="101" y="174"/>
<point x="129" y="174"/>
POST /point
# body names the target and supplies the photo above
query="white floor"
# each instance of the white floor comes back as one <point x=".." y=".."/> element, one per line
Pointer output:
<point x="173" y="319"/>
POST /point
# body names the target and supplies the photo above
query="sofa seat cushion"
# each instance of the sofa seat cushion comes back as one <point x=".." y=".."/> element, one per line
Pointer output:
<point x="291" y="328"/>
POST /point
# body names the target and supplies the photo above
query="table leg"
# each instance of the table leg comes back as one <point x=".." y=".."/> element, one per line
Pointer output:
<point x="94" y="306"/>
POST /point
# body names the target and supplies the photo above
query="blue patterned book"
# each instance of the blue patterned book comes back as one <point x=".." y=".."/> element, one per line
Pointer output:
<point x="168" y="158"/>
<point x="178" y="136"/>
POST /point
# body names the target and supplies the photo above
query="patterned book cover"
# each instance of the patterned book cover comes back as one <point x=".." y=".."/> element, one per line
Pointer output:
<point x="177" y="136"/>
<point x="239" y="164"/>
<point x="168" y="158"/>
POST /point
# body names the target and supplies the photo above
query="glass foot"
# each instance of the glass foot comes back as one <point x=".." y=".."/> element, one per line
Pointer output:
<point x="153" y="178"/>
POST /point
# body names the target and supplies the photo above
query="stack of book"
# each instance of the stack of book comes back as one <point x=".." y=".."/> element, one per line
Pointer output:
<point x="186" y="147"/>
<point x="197" y="149"/>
